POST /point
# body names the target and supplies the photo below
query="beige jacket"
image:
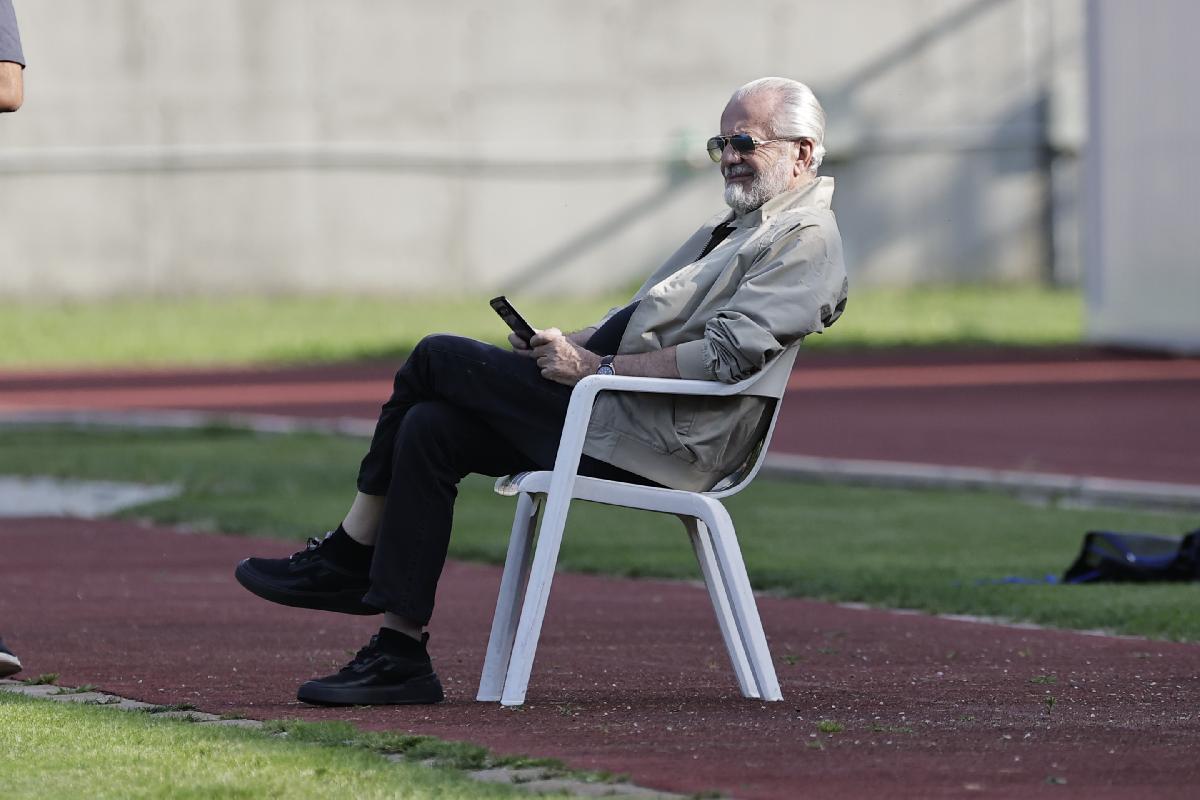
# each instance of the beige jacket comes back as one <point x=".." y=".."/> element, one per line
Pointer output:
<point x="777" y="278"/>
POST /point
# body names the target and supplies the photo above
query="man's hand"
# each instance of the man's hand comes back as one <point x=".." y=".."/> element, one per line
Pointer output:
<point x="580" y="338"/>
<point x="519" y="346"/>
<point x="560" y="359"/>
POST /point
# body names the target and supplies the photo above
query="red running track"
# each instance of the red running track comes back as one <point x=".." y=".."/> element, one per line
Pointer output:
<point x="631" y="676"/>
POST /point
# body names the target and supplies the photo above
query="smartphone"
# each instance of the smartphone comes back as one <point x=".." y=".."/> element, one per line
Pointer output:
<point x="510" y="316"/>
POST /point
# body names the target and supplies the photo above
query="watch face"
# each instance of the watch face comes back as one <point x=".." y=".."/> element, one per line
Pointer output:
<point x="605" y="369"/>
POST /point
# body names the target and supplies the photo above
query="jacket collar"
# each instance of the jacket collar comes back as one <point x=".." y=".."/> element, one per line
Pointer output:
<point x="817" y="193"/>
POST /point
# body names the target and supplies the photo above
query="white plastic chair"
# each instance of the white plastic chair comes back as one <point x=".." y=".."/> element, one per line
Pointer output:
<point x="525" y="585"/>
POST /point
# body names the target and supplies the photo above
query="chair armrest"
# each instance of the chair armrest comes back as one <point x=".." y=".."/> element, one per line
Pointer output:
<point x="627" y="383"/>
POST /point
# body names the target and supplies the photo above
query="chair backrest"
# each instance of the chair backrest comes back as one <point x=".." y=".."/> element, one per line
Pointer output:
<point x="771" y="382"/>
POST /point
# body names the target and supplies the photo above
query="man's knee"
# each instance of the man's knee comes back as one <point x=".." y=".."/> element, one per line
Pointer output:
<point x="432" y="426"/>
<point x="448" y="343"/>
<point x="439" y="348"/>
<point x="420" y="353"/>
<point x="434" y="340"/>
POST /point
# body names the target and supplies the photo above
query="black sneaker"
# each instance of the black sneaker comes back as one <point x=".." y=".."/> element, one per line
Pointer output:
<point x="9" y="663"/>
<point x="393" y="669"/>
<point x="309" y="579"/>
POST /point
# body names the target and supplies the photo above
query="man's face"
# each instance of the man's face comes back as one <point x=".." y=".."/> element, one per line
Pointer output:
<point x="753" y="178"/>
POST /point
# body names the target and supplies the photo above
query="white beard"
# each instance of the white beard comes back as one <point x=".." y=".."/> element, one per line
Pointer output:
<point x="766" y="184"/>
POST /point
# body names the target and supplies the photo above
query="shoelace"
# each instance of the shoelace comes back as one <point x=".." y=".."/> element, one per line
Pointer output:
<point x="310" y="548"/>
<point x="366" y="654"/>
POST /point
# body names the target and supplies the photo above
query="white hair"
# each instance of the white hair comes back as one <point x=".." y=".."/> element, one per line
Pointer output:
<point x="798" y="115"/>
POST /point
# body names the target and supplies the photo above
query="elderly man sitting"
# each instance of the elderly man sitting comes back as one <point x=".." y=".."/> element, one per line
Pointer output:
<point x="738" y="292"/>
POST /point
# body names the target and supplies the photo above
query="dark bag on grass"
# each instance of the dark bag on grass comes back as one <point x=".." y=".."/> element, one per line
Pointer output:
<point x="1108" y="556"/>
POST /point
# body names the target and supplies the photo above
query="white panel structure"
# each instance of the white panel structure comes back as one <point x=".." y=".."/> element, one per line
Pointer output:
<point x="172" y="147"/>
<point x="1141" y="172"/>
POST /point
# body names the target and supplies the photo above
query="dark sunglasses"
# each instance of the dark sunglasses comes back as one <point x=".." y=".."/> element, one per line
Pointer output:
<point x="741" y="142"/>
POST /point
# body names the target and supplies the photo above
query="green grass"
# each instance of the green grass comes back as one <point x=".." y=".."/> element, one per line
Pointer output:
<point x="45" y="679"/>
<point x="248" y="330"/>
<point x="958" y="316"/>
<point x="932" y="550"/>
<point x="290" y="329"/>
<point x="62" y="750"/>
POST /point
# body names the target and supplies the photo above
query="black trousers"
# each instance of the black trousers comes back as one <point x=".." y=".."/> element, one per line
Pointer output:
<point x="458" y="406"/>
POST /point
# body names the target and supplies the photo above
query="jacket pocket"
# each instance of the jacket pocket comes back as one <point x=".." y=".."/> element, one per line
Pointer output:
<point x="709" y="423"/>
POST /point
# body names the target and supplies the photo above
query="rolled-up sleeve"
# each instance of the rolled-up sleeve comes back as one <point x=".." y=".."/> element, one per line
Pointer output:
<point x="797" y="286"/>
<point x="10" y="40"/>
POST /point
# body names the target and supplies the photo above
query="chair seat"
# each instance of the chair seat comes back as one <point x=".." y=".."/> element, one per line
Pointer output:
<point x="613" y="493"/>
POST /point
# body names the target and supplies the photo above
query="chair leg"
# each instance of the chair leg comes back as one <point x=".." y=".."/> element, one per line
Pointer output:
<point x="702" y="545"/>
<point x="512" y="590"/>
<point x="741" y="597"/>
<point x="533" y="611"/>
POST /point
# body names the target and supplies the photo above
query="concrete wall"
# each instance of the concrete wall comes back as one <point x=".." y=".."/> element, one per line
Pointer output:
<point x="172" y="146"/>
<point x="1141" y="173"/>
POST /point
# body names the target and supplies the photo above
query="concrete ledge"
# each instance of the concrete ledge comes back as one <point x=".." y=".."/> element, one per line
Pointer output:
<point x="1082" y="489"/>
<point x="186" y="420"/>
<point x="43" y="496"/>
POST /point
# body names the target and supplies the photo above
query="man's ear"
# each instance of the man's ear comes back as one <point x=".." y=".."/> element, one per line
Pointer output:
<point x="805" y="148"/>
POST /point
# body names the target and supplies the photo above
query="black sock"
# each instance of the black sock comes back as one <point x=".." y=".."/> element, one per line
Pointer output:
<point x="402" y="644"/>
<point x="339" y="548"/>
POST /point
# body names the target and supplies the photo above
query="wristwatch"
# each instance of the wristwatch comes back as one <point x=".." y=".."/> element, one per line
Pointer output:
<point x="606" y="366"/>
